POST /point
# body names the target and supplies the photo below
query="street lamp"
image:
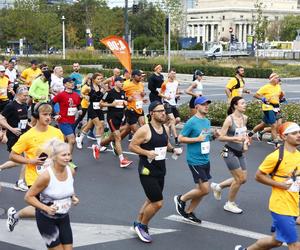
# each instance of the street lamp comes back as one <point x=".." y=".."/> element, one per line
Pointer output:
<point x="63" y="38"/>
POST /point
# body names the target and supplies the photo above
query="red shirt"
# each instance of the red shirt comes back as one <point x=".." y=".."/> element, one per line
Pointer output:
<point x="68" y="103"/>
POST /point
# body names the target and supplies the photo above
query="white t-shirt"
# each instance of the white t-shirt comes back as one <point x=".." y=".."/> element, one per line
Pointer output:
<point x="12" y="75"/>
<point x="171" y="89"/>
<point x="199" y="88"/>
<point x="57" y="83"/>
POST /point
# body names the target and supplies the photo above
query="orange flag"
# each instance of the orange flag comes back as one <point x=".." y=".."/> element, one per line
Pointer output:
<point x="120" y="49"/>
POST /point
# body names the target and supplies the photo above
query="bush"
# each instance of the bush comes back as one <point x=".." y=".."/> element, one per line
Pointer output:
<point x="218" y="113"/>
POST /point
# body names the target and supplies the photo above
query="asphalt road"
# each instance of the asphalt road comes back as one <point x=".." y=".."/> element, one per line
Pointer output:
<point x="110" y="198"/>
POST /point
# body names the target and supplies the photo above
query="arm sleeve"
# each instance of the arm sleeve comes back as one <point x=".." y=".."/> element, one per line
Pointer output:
<point x="186" y="129"/>
<point x="21" y="145"/>
<point x="231" y="83"/>
<point x="268" y="165"/>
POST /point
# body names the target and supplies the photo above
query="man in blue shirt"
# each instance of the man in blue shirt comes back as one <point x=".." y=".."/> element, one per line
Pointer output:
<point x="196" y="134"/>
<point x="77" y="78"/>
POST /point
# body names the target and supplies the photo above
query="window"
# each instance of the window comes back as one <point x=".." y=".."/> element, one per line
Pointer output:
<point x="241" y="16"/>
<point x="223" y="18"/>
<point x="223" y="29"/>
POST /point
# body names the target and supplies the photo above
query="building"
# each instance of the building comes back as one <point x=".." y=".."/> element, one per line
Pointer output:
<point x="212" y="20"/>
<point x="10" y="3"/>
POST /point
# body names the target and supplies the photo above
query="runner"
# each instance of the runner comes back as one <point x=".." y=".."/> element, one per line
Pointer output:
<point x="151" y="143"/>
<point x="15" y="119"/>
<point x="169" y="92"/>
<point x="195" y="90"/>
<point x="69" y="104"/>
<point x="236" y="85"/>
<point x="29" y="74"/>
<point x="270" y="95"/>
<point x="110" y="82"/>
<point x="4" y="88"/>
<point x="196" y="134"/>
<point x="78" y="78"/>
<point x="55" y="191"/>
<point x="154" y="83"/>
<point x="95" y="115"/>
<point x="234" y="133"/>
<point x="116" y="103"/>
<point x="30" y="143"/>
<point x="283" y="176"/>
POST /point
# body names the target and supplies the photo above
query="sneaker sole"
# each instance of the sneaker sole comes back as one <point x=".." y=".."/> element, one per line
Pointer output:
<point x="227" y="210"/>
<point x="20" y="189"/>
<point x="125" y="165"/>
<point x="141" y="237"/>
<point x="191" y="221"/>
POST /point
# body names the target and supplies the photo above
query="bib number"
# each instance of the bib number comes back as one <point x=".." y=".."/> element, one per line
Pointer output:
<point x="295" y="187"/>
<point x="276" y="110"/>
<point x="22" y="124"/>
<point x="205" y="147"/>
<point x="96" y="105"/>
<point x="240" y="131"/>
<point x="161" y="153"/>
<point x="119" y="104"/>
<point x="72" y="111"/>
<point x="139" y="104"/>
<point x="63" y="206"/>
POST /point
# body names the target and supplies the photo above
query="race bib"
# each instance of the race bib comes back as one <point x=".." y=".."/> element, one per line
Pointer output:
<point x="240" y="91"/>
<point x="240" y="131"/>
<point x="22" y="124"/>
<point x="161" y="153"/>
<point x="120" y="104"/>
<point x="96" y="105"/>
<point x="3" y="91"/>
<point x="276" y="110"/>
<point x="139" y="104"/>
<point x="72" y="111"/>
<point x="78" y="86"/>
<point x="205" y="147"/>
<point x="295" y="187"/>
<point x="63" y="206"/>
<point x="41" y="168"/>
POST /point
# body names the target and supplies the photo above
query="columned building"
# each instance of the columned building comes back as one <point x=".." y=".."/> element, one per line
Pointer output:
<point x="212" y="20"/>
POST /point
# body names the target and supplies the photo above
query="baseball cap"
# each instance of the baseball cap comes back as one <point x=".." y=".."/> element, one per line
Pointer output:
<point x="136" y="72"/>
<point x="288" y="127"/>
<point x="68" y="79"/>
<point x="2" y="68"/>
<point x="153" y="105"/>
<point x="198" y="72"/>
<point x="119" y="78"/>
<point x="201" y="100"/>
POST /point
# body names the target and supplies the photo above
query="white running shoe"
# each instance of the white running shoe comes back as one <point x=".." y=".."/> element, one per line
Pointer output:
<point x="217" y="191"/>
<point x="21" y="186"/>
<point x="232" y="207"/>
<point x="103" y="148"/>
<point x="11" y="221"/>
<point x="78" y="143"/>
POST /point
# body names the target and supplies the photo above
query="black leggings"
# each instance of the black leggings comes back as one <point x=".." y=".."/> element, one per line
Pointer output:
<point x="54" y="231"/>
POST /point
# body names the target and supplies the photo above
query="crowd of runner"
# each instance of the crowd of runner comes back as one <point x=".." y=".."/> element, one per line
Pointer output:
<point x="45" y="114"/>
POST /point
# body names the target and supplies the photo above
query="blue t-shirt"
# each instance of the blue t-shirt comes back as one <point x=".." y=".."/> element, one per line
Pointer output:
<point x="193" y="128"/>
<point x="78" y="81"/>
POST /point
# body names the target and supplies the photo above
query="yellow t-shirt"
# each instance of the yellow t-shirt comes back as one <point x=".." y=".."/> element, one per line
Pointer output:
<point x="134" y="90"/>
<point x="271" y="93"/>
<point x="29" y="74"/>
<point x="282" y="201"/>
<point x="31" y="143"/>
<point x="84" y="91"/>
<point x="4" y="81"/>
<point x="235" y="92"/>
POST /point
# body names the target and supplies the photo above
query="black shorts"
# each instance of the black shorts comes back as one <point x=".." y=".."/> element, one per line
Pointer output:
<point x="114" y="121"/>
<point x="132" y="117"/>
<point x="153" y="187"/>
<point x="3" y="104"/>
<point x="11" y="141"/>
<point x="200" y="172"/>
<point x="192" y="102"/>
<point x="171" y="109"/>
<point x="49" y="227"/>
<point x="92" y="114"/>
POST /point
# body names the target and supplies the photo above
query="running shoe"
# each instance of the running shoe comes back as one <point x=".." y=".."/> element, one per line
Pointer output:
<point x="125" y="163"/>
<point x="232" y="207"/>
<point x="275" y="143"/>
<point x="239" y="247"/>
<point x="91" y="136"/>
<point x="21" y="186"/>
<point x="11" y="221"/>
<point x="96" y="151"/>
<point x="135" y="223"/>
<point x="217" y="191"/>
<point x="143" y="233"/>
<point x="192" y="218"/>
<point x="130" y="137"/>
<point x="78" y="143"/>
<point x="103" y="148"/>
<point x="180" y="206"/>
<point x="112" y="145"/>
<point x="259" y="135"/>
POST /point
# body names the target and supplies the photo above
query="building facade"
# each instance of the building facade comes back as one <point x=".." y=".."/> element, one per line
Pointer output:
<point x="212" y="20"/>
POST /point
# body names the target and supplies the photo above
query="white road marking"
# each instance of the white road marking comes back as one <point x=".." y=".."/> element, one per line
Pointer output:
<point x="220" y="227"/>
<point x="26" y="234"/>
<point x="7" y="185"/>
<point x="110" y="150"/>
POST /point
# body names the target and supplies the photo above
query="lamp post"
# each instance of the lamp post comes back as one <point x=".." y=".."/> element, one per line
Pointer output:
<point x="63" y="37"/>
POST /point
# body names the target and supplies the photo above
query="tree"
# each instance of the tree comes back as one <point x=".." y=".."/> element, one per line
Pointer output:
<point x="289" y="26"/>
<point x="261" y="22"/>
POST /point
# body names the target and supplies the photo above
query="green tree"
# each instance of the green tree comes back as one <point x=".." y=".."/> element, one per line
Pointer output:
<point x="288" y="28"/>
<point x="261" y="22"/>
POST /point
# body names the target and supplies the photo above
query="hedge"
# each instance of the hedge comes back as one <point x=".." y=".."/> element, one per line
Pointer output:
<point x="110" y="63"/>
<point x="218" y="112"/>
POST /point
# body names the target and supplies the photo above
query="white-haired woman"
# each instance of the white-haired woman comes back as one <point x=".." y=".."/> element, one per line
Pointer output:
<point x="52" y="195"/>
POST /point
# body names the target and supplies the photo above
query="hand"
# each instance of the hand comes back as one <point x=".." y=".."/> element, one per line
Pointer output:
<point x="143" y="94"/>
<point x="178" y="151"/>
<point x="16" y="131"/>
<point x="200" y="138"/>
<point x="51" y="210"/>
<point x="125" y="103"/>
<point x="285" y="185"/>
<point x="79" y="112"/>
<point x="168" y="98"/>
<point x="216" y="133"/>
<point x="37" y="161"/>
<point x="56" y="117"/>
<point x="239" y="138"/>
<point x="75" y="200"/>
<point x="151" y="155"/>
